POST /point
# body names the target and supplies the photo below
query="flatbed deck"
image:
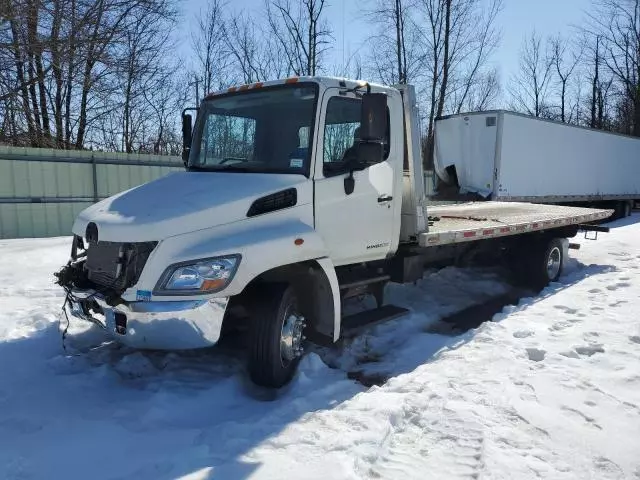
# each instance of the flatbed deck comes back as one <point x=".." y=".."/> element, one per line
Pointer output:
<point x="466" y="222"/>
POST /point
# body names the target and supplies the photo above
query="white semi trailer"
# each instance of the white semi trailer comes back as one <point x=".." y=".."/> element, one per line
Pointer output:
<point x="507" y="156"/>
<point x="297" y="194"/>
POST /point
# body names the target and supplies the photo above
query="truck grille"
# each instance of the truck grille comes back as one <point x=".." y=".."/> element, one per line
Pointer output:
<point x="117" y="265"/>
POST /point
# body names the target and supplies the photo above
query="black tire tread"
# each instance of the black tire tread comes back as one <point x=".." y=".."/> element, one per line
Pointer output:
<point x="529" y="265"/>
<point x="265" y="367"/>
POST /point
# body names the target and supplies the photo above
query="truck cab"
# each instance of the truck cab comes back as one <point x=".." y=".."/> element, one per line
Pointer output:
<point x="308" y="134"/>
<point x="285" y="183"/>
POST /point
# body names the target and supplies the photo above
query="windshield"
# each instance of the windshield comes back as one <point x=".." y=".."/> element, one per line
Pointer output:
<point x="263" y="130"/>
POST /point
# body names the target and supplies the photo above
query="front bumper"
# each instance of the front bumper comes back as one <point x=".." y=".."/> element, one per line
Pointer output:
<point x="174" y="325"/>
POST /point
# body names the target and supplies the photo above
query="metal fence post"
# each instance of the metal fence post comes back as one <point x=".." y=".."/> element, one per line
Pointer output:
<point x="94" y="174"/>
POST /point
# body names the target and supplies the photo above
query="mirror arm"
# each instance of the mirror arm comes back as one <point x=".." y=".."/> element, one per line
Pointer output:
<point x="349" y="183"/>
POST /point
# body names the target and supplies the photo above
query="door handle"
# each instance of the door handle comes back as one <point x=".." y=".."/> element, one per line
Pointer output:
<point x="384" y="198"/>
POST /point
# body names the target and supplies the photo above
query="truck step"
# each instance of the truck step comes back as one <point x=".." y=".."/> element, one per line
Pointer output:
<point x="354" y="324"/>
<point x="364" y="281"/>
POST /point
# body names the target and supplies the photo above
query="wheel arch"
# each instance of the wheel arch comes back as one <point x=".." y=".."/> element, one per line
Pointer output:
<point x="316" y="286"/>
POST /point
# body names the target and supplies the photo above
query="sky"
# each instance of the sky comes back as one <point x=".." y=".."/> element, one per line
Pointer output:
<point x="519" y="17"/>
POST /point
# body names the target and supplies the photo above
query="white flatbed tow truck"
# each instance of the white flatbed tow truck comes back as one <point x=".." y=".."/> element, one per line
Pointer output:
<point x="297" y="194"/>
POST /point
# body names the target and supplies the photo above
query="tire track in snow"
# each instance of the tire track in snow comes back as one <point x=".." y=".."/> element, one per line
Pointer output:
<point x="441" y="443"/>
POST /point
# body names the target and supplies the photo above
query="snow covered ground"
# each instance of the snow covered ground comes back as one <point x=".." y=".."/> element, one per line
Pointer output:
<point x="550" y="389"/>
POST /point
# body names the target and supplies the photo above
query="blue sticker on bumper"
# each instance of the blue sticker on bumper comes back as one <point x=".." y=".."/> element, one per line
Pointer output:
<point x="143" y="296"/>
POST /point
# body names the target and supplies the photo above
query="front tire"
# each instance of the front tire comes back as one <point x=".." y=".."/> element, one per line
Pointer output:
<point x="276" y="336"/>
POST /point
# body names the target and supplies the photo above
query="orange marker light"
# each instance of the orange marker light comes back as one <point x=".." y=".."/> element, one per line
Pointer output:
<point x="298" y="241"/>
<point x="212" y="284"/>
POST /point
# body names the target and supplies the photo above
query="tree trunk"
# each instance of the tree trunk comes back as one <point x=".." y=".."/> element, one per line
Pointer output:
<point x="446" y="59"/>
<point x="594" y="85"/>
<point x="398" y="14"/>
<point x="32" y="34"/>
<point x="56" y="60"/>
<point x="20" y="71"/>
<point x="86" y="78"/>
<point x="70" y="76"/>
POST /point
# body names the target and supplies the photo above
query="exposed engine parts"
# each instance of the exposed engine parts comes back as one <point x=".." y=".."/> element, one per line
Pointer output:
<point x="111" y="267"/>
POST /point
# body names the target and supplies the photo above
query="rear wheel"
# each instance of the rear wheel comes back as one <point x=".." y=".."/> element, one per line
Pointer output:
<point x="621" y="210"/>
<point x="539" y="262"/>
<point x="276" y="336"/>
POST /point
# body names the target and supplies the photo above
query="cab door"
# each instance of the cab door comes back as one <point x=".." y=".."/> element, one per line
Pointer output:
<point x="360" y="226"/>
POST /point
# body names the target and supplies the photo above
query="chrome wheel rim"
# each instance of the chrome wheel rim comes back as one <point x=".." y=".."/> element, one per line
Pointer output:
<point x="291" y="337"/>
<point x="553" y="263"/>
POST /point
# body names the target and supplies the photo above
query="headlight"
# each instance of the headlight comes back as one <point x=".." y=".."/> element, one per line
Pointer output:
<point x="208" y="275"/>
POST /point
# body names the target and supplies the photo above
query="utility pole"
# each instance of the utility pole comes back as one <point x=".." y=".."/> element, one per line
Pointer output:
<point x="196" y="82"/>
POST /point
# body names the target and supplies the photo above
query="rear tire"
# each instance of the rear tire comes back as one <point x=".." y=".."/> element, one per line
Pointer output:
<point x="273" y="360"/>
<point x="539" y="263"/>
<point x="627" y="209"/>
<point x="619" y="210"/>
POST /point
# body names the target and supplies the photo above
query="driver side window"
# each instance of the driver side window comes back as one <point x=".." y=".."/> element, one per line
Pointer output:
<point x="341" y="134"/>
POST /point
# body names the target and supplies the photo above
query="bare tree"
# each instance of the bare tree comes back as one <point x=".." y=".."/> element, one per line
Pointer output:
<point x="210" y="48"/>
<point x="529" y="88"/>
<point x="142" y="69"/>
<point x="302" y="32"/>
<point x="473" y="84"/>
<point x="460" y="37"/>
<point x="617" y="22"/>
<point x="396" y="53"/>
<point x="165" y="101"/>
<point x="599" y="82"/>
<point x="68" y="68"/>
<point x="257" y="54"/>
<point x="564" y="69"/>
<point x="481" y="93"/>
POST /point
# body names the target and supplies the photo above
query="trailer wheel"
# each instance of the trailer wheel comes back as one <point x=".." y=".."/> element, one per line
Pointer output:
<point x="627" y="209"/>
<point x="276" y="336"/>
<point x="539" y="263"/>
<point x="620" y="210"/>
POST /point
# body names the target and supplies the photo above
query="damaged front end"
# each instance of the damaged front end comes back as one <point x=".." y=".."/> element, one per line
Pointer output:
<point x="99" y="273"/>
<point x="95" y="280"/>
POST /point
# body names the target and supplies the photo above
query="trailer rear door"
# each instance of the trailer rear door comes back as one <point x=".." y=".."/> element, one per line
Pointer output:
<point x="469" y="143"/>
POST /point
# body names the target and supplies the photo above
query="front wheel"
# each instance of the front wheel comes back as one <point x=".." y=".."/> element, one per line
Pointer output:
<point x="276" y="336"/>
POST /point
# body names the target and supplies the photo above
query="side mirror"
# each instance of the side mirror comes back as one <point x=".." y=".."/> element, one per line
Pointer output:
<point x="187" y="134"/>
<point x="370" y="153"/>
<point x="373" y="129"/>
<point x="373" y="117"/>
